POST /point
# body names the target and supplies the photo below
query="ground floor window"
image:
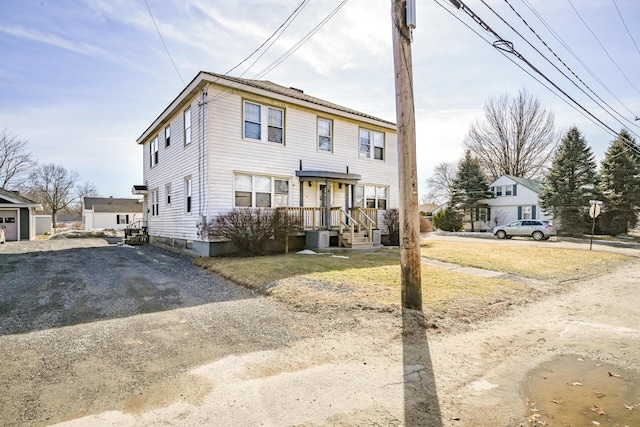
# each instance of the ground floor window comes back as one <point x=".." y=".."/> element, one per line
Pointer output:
<point x="371" y="196"/>
<point x="154" y="203"/>
<point x="122" y="219"/>
<point x="483" y="213"/>
<point x="260" y="191"/>
<point x="527" y="212"/>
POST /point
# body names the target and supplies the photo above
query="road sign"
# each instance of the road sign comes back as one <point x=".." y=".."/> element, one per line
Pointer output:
<point x="595" y="202"/>
<point x="594" y="210"/>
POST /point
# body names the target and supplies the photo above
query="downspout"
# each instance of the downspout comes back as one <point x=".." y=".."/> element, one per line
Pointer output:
<point x="202" y="169"/>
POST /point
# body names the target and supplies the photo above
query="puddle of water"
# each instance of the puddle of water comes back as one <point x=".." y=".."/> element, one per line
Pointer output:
<point x="574" y="392"/>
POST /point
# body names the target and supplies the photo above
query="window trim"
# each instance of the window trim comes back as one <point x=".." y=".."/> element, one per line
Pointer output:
<point x="330" y="121"/>
<point x="253" y="192"/>
<point x="188" y="130"/>
<point x="372" y="144"/>
<point x="167" y="136"/>
<point x="264" y="122"/>
<point x="188" y="197"/>
<point x="153" y="152"/>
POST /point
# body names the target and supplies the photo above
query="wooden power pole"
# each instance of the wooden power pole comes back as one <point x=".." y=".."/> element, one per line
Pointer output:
<point x="407" y="165"/>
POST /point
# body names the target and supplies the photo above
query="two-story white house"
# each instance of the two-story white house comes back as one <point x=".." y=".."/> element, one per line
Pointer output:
<point x="227" y="142"/>
<point x="514" y="199"/>
<point x="110" y="212"/>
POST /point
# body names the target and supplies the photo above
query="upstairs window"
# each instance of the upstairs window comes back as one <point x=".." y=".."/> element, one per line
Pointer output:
<point x="168" y="191"/>
<point x="325" y="138"/>
<point x="167" y="136"/>
<point x="187" y="126"/>
<point x="153" y="152"/>
<point x="254" y="117"/>
<point x="369" y="138"/>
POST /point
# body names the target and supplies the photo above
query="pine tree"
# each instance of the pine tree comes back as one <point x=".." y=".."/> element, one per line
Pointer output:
<point x="570" y="183"/>
<point x="621" y="186"/>
<point x="469" y="188"/>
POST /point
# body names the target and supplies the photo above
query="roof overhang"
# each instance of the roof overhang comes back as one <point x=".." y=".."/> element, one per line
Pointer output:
<point x="327" y="176"/>
<point x="139" y="189"/>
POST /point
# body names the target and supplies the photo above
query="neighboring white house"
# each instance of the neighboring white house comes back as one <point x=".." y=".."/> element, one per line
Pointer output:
<point x="17" y="216"/>
<point x="227" y="142"/>
<point x="513" y="199"/>
<point x="109" y="212"/>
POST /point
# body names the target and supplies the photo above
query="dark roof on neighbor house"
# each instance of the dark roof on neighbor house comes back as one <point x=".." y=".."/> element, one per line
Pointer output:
<point x="241" y="84"/>
<point x="112" y="204"/>
<point x="13" y="197"/>
<point x="531" y="184"/>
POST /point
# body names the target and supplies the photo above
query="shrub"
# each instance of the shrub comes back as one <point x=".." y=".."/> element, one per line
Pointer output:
<point x="447" y="220"/>
<point x="250" y="230"/>
<point x="391" y="219"/>
<point x="425" y="225"/>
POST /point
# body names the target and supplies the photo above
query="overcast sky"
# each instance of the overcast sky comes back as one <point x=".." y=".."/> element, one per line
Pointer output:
<point x="81" y="80"/>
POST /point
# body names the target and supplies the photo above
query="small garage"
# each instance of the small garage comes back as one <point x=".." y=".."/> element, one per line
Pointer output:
<point x="17" y="216"/>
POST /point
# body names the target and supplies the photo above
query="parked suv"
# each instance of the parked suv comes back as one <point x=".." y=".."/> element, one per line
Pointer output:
<point x="539" y="230"/>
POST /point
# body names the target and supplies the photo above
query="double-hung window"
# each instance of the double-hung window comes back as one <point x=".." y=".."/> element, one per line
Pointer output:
<point x="255" y="115"/>
<point x="167" y="136"/>
<point x="154" y="203"/>
<point x="325" y="137"/>
<point x="122" y="219"/>
<point x="153" y="152"/>
<point x="187" y="126"/>
<point x="187" y="194"/>
<point x="259" y="191"/>
<point x="168" y="191"/>
<point x="371" y="196"/>
<point x="371" y="144"/>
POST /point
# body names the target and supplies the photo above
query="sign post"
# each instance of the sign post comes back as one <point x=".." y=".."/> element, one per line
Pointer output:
<point x="594" y="211"/>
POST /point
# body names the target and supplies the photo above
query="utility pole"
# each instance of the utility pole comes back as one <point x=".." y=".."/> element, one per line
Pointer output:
<point x="403" y="21"/>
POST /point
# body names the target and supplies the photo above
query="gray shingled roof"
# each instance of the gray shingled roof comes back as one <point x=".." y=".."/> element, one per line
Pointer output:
<point x="531" y="184"/>
<point x="115" y="205"/>
<point x="293" y="93"/>
<point x="17" y="198"/>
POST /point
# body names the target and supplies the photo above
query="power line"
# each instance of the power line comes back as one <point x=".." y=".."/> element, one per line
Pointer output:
<point x="560" y="60"/>
<point x="625" y="26"/>
<point x="507" y="46"/>
<point x="560" y="40"/>
<point x="528" y="73"/>
<point x="603" y="48"/>
<point x="163" y="43"/>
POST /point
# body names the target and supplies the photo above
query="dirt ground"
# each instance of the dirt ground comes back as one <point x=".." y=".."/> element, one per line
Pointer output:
<point x="249" y="361"/>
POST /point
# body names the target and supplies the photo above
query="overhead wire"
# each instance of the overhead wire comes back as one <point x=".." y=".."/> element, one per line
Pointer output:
<point x="560" y="40"/>
<point x="562" y="62"/>
<point x="626" y="27"/>
<point x="163" y="43"/>
<point x="507" y="46"/>
<point x="603" y="48"/>
<point x="525" y="70"/>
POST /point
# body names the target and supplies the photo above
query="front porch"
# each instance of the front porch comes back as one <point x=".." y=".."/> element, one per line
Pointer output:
<point x="357" y="228"/>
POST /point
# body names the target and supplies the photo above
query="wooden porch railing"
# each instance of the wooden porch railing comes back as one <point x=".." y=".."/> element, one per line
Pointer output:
<point x="313" y="218"/>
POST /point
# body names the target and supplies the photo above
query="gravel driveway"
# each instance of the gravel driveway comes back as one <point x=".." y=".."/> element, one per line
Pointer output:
<point x="59" y="284"/>
<point x="87" y="326"/>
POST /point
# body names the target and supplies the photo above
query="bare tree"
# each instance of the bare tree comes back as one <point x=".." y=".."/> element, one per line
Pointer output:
<point x="56" y="188"/>
<point x="517" y="137"/>
<point x="15" y="161"/>
<point x="439" y="184"/>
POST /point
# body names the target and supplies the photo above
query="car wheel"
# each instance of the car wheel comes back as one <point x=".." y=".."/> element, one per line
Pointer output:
<point x="501" y="234"/>
<point x="538" y="235"/>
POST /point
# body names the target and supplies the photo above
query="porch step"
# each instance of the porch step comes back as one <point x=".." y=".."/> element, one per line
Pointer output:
<point x="359" y="240"/>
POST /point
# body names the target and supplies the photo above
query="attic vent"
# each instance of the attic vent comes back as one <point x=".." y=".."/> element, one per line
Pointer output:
<point x="296" y="89"/>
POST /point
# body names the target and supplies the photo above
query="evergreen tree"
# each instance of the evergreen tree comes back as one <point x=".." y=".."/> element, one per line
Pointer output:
<point x="469" y="188"/>
<point x="621" y="186"/>
<point x="570" y="183"/>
